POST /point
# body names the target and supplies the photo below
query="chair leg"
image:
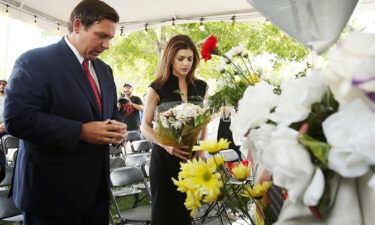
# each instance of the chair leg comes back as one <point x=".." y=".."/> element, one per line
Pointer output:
<point x="226" y="214"/>
<point x="137" y="201"/>
<point x="208" y="210"/>
<point x="110" y="214"/>
<point x="117" y="209"/>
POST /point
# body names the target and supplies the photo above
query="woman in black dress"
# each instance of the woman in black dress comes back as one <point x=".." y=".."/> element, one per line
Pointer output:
<point x="175" y="82"/>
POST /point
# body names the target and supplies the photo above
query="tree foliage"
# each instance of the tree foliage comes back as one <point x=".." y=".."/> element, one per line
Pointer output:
<point x="134" y="58"/>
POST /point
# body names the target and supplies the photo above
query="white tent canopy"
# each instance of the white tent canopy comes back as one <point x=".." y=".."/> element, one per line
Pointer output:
<point x="134" y="15"/>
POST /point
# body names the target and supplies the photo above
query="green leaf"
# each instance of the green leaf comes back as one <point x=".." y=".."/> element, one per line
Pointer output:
<point x="318" y="149"/>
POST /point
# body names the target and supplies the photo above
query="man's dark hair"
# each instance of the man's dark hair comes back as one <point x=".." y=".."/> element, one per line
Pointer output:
<point x="90" y="11"/>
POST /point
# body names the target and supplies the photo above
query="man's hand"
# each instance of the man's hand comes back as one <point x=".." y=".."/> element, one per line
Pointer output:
<point x="103" y="132"/>
<point x="129" y="102"/>
<point x="177" y="152"/>
<point x="2" y="127"/>
<point x="122" y="128"/>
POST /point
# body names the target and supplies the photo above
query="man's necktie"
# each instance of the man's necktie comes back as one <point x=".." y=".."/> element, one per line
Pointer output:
<point x="85" y="65"/>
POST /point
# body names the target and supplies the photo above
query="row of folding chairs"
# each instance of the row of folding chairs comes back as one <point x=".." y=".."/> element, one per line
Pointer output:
<point x="131" y="182"/>
<point x="141" y="152"/>
<point x="125" y="182"/>
<point x="138" y="146"/>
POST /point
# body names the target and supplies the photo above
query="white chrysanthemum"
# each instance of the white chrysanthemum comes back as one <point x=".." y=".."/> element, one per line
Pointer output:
<point x="263" y="62"/>
<point x="221" y="67"/>
<point x="236" y="51"/>
<point x="164" y="121"/>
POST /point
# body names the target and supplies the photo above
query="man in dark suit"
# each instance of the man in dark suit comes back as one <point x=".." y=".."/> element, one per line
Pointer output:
<point x="61" y="103"/>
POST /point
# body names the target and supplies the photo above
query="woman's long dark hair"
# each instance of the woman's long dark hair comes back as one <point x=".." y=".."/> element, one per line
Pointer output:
<point x="177" y="43"/>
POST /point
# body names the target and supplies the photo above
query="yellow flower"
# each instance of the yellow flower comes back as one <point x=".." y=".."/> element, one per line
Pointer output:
<point x="197" y="179"/>
<point x="217" y="160"/>
<point x="203" y="175"/>
<point x="182" y="185"/>
<point x="253" y="79"/>
<point x="212" y="147"/>
<point x="258" y="191"/>
<point x="212" y="198"/>
<point x="193" y="201"/>
<point x="241" y="172"/>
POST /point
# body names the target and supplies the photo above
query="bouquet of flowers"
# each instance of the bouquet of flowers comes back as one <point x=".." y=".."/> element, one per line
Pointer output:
<point x="180" y="125"/>
<point x="236" y="72"/>
<point x="209" y="182"/>
<point x="313" y="137"/>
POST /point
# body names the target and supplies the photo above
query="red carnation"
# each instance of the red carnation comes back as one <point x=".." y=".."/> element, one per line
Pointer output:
<point x="245" y="163"/>
<point x="206" y="55"/>
<point x="209" y="47"/>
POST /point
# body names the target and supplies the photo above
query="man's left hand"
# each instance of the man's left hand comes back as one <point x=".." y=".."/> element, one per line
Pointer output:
<point x="121" y="127"/>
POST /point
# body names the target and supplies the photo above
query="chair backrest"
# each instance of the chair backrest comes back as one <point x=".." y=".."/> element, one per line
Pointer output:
<point x="7" y="206"/>
<point x="133" y="135"/>
<point x="8" y="141"/>
<point x="115" y="150"/>
<point x="145" y="167"/>
<point x="116" y="162"/>
<point x="126" y="176"/>
<point x="142" y="146"/>
<point x="8" y="176"/>
<point x="230" y="155"/>
<point x="135" y="159"/>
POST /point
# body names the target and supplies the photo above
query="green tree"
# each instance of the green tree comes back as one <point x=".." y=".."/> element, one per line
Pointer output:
<point x="134" y="58"/>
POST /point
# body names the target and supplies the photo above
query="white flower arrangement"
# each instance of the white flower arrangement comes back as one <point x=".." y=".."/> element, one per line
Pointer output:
<point x="350" y="72"/>
<point x="350" y="132"/>
<point x="180" y="125"/>
<point x="296" y="98"/>
<point x="180" y="115"/>
<point x="340" y="140"/>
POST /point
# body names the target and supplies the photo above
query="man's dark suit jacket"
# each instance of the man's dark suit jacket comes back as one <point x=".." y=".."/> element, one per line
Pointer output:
<point x="48" y="99"/>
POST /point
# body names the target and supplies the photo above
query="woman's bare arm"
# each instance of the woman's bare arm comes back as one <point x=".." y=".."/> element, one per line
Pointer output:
<point x="146" y="128"/>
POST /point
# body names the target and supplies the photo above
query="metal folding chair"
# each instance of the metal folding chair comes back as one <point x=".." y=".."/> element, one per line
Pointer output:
<point x="136" y="159"/>
<point x="229" y="155"/>
<point x="142" y="146"/>
<point x="116" y="150"/>
<point x="124" y="177"/>
<point x="133" y="136"/>
<point x="8" y="211"/>
<point x="145" y="168"/>
<point x="116" y="162"/>
<point x="10" y="144"/>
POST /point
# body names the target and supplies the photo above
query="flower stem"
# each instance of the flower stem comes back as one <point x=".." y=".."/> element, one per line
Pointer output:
<point x="251" y="77"/>
<point x="240" y="71"/>
<point x="251" y="65"/>
<point x="231" y="77"/>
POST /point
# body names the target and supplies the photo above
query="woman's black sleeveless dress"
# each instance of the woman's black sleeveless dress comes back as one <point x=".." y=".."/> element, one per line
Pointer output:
<point x="168" y="203"/>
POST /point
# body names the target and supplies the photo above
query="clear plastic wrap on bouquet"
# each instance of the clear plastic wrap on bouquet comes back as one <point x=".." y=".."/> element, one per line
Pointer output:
<point x="190" y="121"/>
